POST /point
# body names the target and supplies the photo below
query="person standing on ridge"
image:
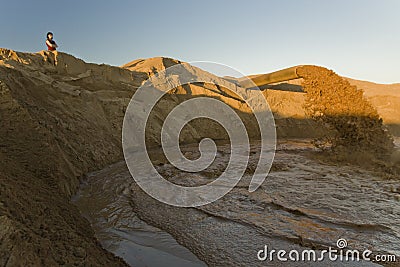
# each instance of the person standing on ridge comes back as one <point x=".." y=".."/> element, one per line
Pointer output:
<point x="51" y="44"/>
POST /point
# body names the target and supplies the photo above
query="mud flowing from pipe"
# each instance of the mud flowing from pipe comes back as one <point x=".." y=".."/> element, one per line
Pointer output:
<point x="337" y="104"/>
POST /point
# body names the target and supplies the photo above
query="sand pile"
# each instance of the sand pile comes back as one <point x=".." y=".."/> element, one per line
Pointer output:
<point x="150" y="66"/>
<point x="59" y="119"/>
<point x="336" y="103"/>
<point x="386" y="99"/>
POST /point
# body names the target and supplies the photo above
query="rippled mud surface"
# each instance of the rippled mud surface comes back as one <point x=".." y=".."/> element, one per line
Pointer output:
<point x="303" y="204"/>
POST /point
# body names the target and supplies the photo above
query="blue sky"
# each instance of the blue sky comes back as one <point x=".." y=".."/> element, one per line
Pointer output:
<point x="356" y="38"/>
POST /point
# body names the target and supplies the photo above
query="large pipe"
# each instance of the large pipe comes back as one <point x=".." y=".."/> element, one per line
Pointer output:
<point x="273" y="77"/>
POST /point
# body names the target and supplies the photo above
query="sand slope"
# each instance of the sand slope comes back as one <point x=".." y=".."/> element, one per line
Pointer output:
<point x="57" y="123"/>
<point x="386" y="99"/>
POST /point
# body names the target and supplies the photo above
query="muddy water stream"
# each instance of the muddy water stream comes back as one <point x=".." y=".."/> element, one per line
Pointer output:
<point x="104" y="201"/>
<point x="304" y="203"/>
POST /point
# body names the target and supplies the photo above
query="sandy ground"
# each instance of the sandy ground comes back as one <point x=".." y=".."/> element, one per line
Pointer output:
<point x="61" y="119"/>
